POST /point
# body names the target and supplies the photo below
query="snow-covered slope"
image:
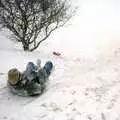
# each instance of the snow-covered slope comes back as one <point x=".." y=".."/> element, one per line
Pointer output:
<point x="85" y="83"/>
<point x="78" y="89"/>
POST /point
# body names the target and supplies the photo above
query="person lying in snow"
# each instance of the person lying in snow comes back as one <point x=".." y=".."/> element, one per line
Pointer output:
<point x="32" y="81"/>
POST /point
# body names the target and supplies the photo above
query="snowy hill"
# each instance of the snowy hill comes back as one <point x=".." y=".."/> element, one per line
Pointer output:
<point x="85" y="83"/>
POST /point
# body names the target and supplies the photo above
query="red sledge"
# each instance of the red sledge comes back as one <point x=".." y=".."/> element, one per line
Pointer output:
<point x="57" y="53"/>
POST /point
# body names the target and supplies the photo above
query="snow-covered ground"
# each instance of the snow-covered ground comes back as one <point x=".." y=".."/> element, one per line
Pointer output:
<point x="85" y="84"/>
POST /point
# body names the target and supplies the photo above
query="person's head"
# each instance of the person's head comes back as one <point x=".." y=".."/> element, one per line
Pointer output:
<point x="13" y="76"/>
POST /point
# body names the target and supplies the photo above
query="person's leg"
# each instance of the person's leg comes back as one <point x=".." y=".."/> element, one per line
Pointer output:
<point x="31" y="71"/>
<point x="48" y="67"/>
<point x="31" y="67"/>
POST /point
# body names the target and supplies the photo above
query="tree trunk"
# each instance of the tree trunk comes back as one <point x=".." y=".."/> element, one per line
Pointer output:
<point x="26" y="47"/>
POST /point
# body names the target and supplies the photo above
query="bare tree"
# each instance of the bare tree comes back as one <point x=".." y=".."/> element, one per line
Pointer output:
<point x="27" y="19"/>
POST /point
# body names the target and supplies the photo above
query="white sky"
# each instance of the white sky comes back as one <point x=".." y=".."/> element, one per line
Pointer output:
<point x="95" y="28"/>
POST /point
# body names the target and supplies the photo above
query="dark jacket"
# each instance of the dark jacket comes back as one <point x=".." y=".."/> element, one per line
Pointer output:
<point x="32" y="81"/>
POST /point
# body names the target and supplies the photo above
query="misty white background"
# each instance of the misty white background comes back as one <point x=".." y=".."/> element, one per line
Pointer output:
<point x="94" y="30"/>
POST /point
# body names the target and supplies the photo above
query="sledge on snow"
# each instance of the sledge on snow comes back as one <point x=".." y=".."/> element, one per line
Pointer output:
<point x="32" y="81"/>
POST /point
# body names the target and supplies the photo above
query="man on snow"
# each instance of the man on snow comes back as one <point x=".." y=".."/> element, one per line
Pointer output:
<point x="32" y="81"/>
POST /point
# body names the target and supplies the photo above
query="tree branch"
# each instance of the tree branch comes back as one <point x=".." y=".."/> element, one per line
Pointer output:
<point x="43" y="39"/>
